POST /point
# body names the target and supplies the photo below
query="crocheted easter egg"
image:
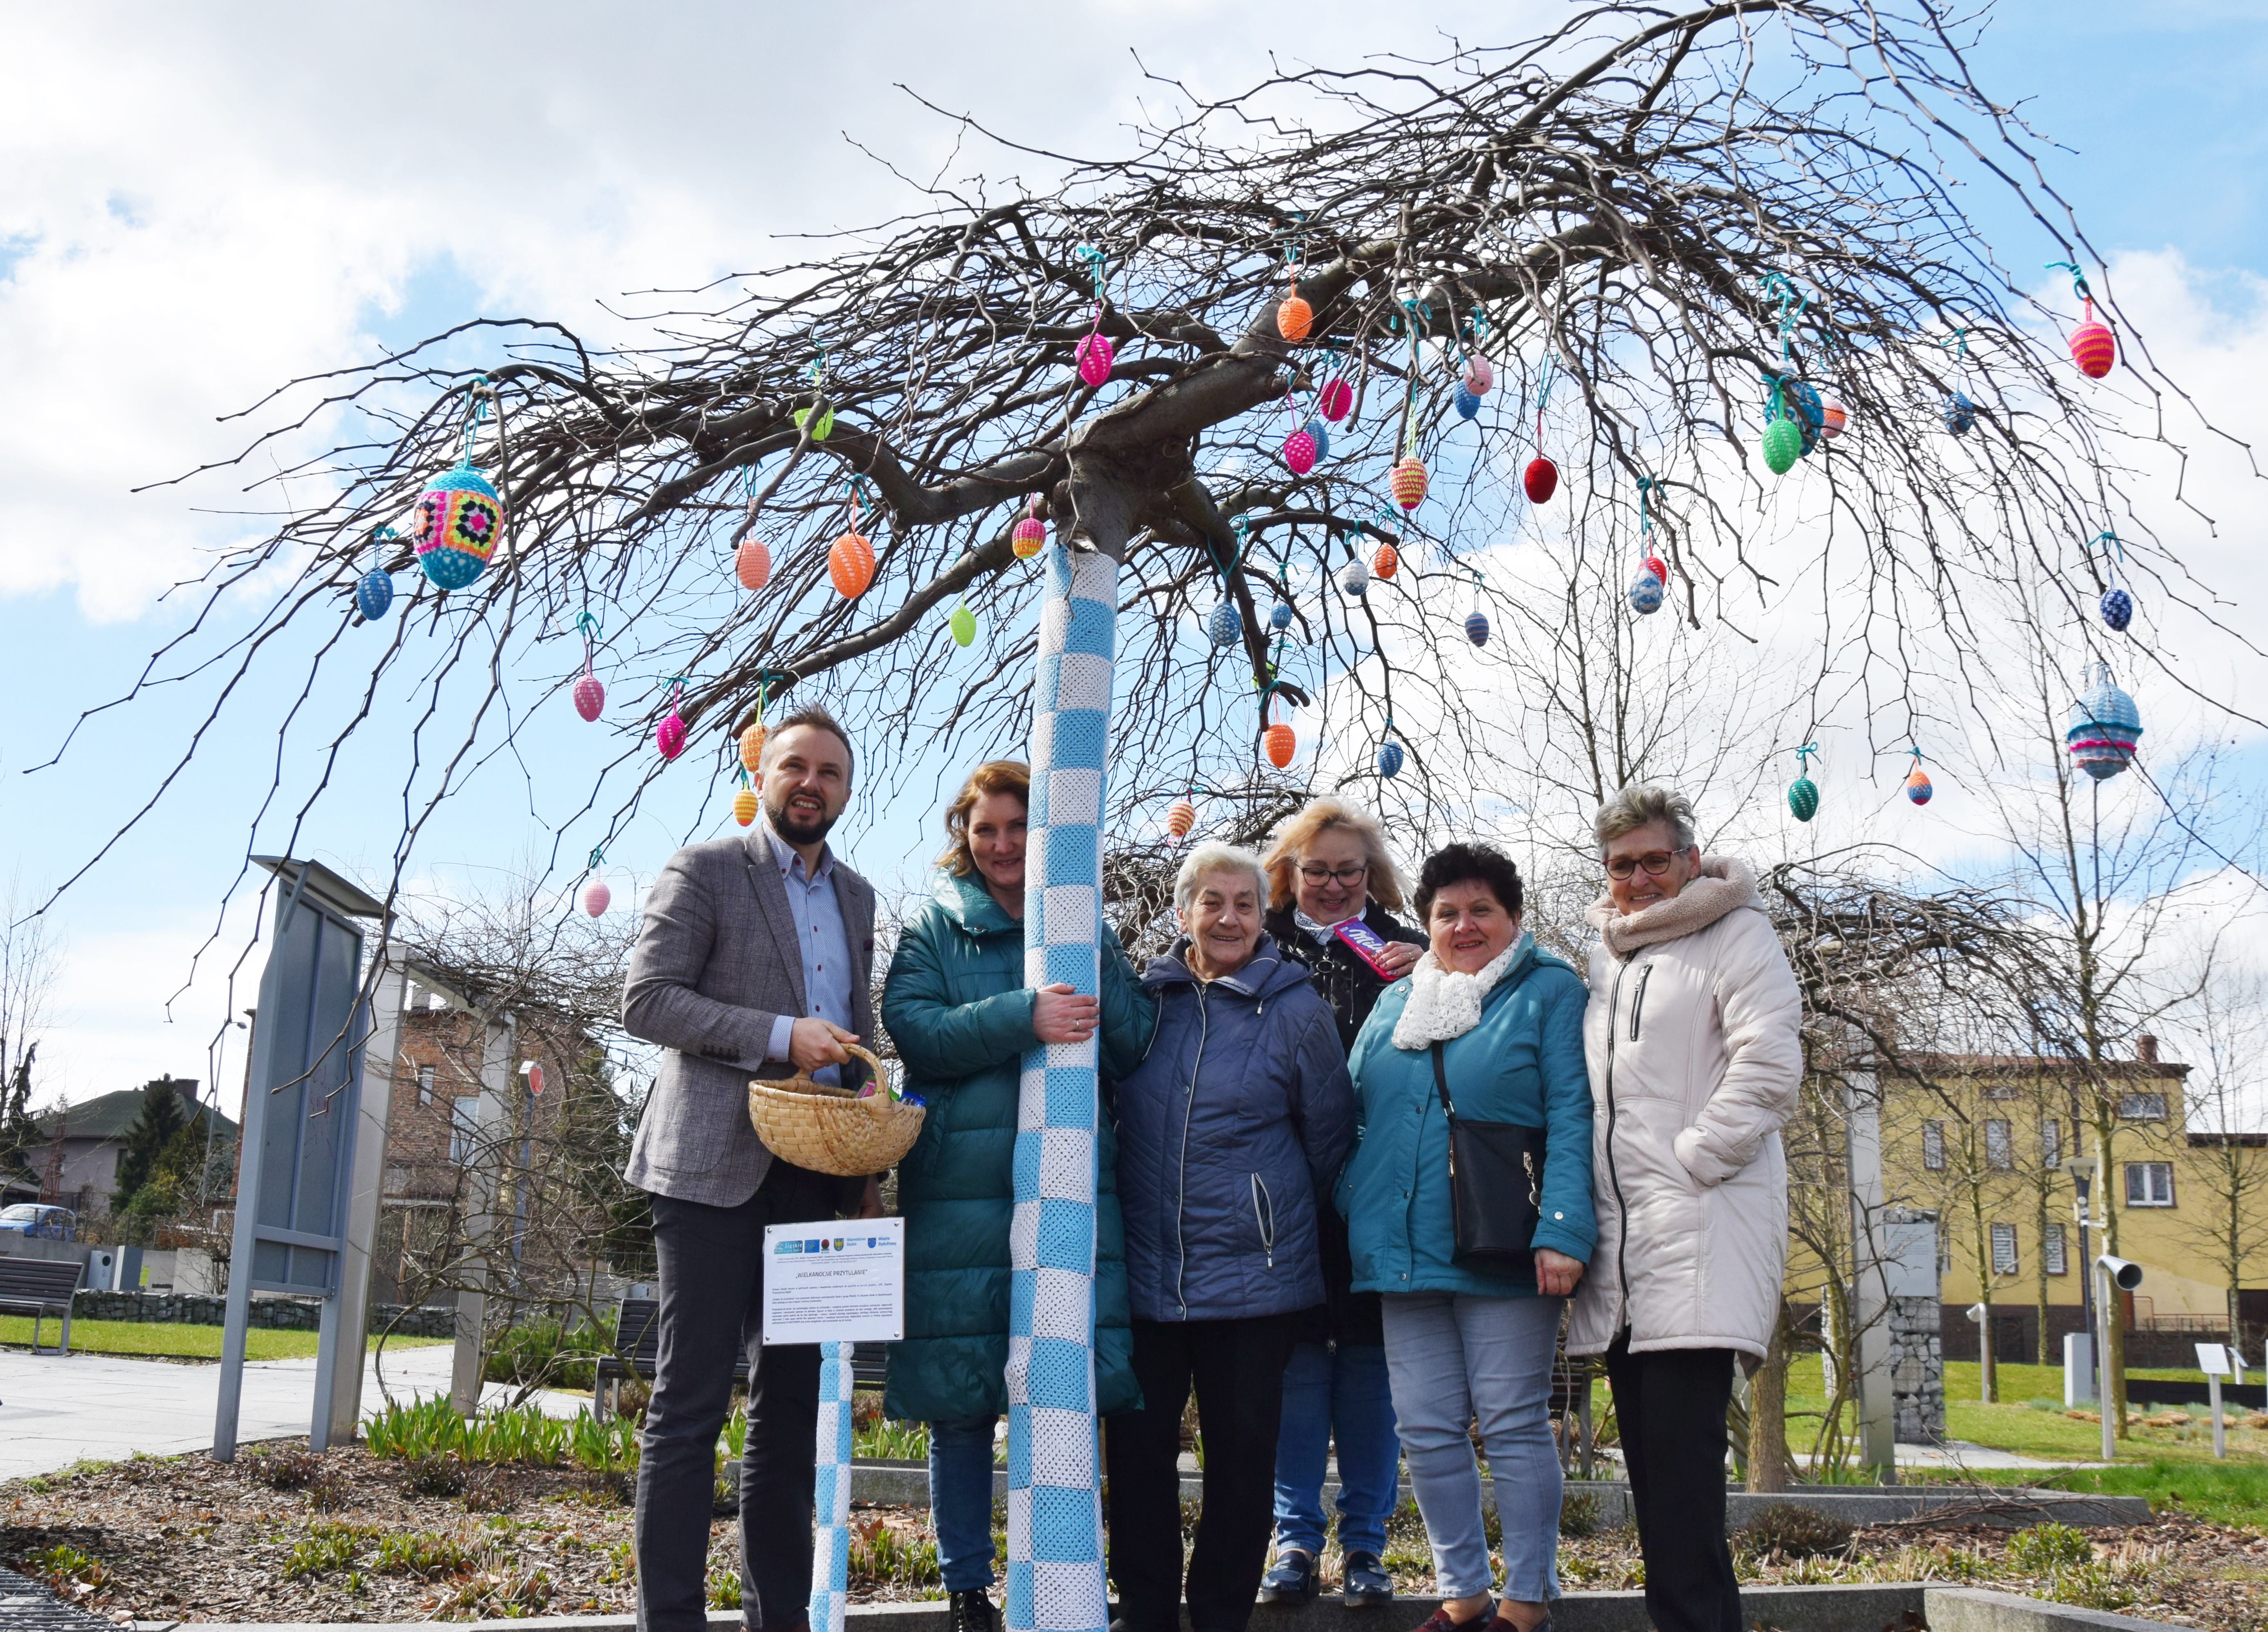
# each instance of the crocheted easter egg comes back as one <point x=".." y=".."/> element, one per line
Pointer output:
<point x="1917" y="788"/>
<point x="590" y="696"/>
<point x="1354" y="577"/>
<point x="819" y="431"/>
<point x="1300" y="453"/>
<point x="1030" y="535"/>
<point x="669" y="735"/>
<point x="1383" y="563"/>
<point x="1960" y="414"/>
<point x="1279" y="616"/>
<point x="1803" y="798"/>
<point x="1225" y="625"/>
<point x="1467" y="404"/>
<point x="597" y="897"/>
<point x="752" y="747"/>
<point x="1334" y="399"/>
<point x="1389" y="758"/>
<point x="1655" y="565"/>
<point x="1322" y="438"/>
<point x="744" y="806"/>
<point x="1834" y="418"/>
<point x="1179" y="817"/>
<point x="2117" y="609"/>
<point x="1645" y="592"/>
<point x="1280" y="744"/>
<point x="1477" y="628"/>
<point x="1094" y="354"/>
<point x="851" y="564"/>
<point x="374" y="593"/>
<point x="1294" y="318"/>
<point x="1541" y="479"/>
<point x="1407" y="481"/>
<point x="2105" y="728"/>
<point x="752" y="563"/>
<point x="460" y="518"/>
<point x="963" y="624"/>
<point x="1783" y="444"/>
<point x="1478" y="375"/>
<point x="2093" y="347"/>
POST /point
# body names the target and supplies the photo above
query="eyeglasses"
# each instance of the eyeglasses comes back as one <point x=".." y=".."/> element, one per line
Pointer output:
<point x="1315" y="875"/>
<point x="1656" y="863"/>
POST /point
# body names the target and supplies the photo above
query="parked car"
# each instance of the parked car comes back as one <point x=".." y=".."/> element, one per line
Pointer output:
<point x="37" y="1219"/>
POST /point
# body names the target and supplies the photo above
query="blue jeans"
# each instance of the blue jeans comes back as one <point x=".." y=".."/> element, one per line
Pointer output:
<point x="961" y="1501"/>
<point x="1455" y="1356"/>
<point x="1340" y="1390"/>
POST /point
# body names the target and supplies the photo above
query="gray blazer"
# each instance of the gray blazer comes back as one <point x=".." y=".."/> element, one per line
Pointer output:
<point x="716" y="961"/>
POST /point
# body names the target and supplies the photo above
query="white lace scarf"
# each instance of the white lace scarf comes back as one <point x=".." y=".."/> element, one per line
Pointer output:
<point x="1444" y="1004"/>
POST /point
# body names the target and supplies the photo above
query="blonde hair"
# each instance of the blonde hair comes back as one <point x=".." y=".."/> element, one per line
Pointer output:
<point x="1642" y="804"/>
<point x="1215" y="857"/>
<point x="1317" y="817"/>
<point x="994" y="776"/>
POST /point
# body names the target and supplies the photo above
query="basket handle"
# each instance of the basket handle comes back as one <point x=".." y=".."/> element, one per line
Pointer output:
<point x="881" y="1075"/>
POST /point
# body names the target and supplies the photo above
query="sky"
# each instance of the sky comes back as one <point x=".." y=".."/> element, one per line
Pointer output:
<point x="201" y="203"/>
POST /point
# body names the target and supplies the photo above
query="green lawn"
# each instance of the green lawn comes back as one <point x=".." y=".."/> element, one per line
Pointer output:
<point x="158" y="1337"/>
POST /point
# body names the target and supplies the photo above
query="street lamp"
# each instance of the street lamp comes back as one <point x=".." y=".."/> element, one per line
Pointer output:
<point x="2118" y="1275"/>
<point x="2082" y="1170"/>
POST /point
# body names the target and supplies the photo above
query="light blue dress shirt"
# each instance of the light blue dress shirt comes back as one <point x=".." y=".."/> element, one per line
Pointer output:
<point x="826" y="967"/>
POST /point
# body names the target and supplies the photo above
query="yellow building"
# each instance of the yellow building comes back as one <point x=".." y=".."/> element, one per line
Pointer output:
<point x="1983" y="1140"/>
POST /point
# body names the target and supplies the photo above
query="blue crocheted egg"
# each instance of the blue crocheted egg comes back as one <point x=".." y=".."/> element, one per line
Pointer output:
<point x="1224" y="625"/>
<point x="2106" y="729"/>
<point x="2117" y="609"/>
<point x="1279" y="616"/>
<point x="1354" y="577"/>
<point x="374" y="592"/>
<point x="1321" y="434"/>
<point x="1389" y="758"/>
<point x="1477" y="628"/>
<point x="1960" y="414"/>
<point x="1789" y="398"/>
<point x="1645" y="592"/>
<point x="1803" y="798"/>
<point x="1467" y="404"/>
<point x="460" y="517"/>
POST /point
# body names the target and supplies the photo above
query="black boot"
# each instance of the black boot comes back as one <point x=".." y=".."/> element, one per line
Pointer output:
<point x="972" y="1612"/>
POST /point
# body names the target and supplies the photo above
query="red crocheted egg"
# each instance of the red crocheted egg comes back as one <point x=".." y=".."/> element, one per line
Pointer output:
<point x="752" y="563"/>
<point x="1659" y="568"/>
<point x="1541" y="479"/>
<point x="851" y="564"/>
<point x="2093" y="347"/>
<point x="590" y="696"/>
<point x="1029" y="538"/>
<point x="1300" y="453"/>
<point x="1407" y="483"/>
<point x="1294" y="318"/>
<point x="1095" y="355"/>
<point x="1279" y="742"/>
<point x="1384" y="562"/>
<point x="1333" y="401"/>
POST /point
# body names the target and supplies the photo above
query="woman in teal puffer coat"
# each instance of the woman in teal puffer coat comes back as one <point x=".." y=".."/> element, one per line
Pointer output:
<point x="957" y="1008"/>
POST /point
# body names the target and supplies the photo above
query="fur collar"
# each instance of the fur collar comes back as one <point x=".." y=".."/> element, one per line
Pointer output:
<point x="1722" y="885"/>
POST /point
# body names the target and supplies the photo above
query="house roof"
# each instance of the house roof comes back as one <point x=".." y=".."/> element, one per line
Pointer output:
<point x="106" y="1116"/>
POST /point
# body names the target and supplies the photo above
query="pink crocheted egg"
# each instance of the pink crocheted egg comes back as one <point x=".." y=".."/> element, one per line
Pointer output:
<point x="669" y="735"/>
<point x="1478" y="375"/>
<point x="590" y="696"/>
<point x="597" y="896"/>
<point x="1095" y="355"/>
<point x="1407" y="481"/>
<point x="2093" y="347"/>
<point x="1300" y="453"/>
<point x="1029" y="538"/>
<point x="752" y="563"/>
<point x="1834" y="419"/>
<point x="1335" y="398"/>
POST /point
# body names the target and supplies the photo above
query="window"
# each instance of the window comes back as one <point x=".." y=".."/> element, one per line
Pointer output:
<point x="2003" y="1249"/>
<point x="2051" y="1250"/>
<point x="2000" y="1090"/>
<point x="424" y="1085"/>
<point x="2141" y="1107"/>
<point x="1933" y="1146"/>
<point x="2000" y="1146"/>
<point x="464" y="1113"/>
<point x="2149" y="1183"/>
<point x="2052" y="1148"/>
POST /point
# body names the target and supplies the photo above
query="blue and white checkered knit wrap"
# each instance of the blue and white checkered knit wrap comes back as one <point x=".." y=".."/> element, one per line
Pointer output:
<point x="830" y="1550"/>
<point x="1055" y="1501"/>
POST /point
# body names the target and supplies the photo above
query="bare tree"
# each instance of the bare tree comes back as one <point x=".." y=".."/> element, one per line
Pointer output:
<point x="29" y="961"/>
<point x="2228" y="1017"/>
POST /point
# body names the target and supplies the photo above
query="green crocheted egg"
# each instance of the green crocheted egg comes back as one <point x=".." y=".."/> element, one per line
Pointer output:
<point x="1783" y="446"/>
<point x="1803" y="792"/>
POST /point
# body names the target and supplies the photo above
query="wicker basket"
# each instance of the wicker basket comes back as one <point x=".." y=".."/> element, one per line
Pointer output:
<point x="831" y="1130"/>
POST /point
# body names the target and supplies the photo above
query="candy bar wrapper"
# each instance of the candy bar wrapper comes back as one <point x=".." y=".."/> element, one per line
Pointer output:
<point x="1366" y="942"/>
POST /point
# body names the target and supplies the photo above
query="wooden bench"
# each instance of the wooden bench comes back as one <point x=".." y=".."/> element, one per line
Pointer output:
<point x="40" y="1287"/>
<point x="637" y="1342"/>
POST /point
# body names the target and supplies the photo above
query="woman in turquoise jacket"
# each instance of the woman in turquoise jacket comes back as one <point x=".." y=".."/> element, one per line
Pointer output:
<point x="1505" y="1019"/>
<point x="957" y="1008"/>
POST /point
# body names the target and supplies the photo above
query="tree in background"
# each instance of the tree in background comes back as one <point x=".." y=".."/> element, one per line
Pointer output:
<point x="29" y="960"/>
<point x="2229" y="1224"/>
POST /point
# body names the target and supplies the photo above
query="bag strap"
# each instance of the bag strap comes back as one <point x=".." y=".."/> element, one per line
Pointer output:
<point x="1441" y="1084"/>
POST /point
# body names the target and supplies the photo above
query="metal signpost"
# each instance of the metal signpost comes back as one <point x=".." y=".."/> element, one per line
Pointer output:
<point x="301" y="1103"/>
<point x="2215" y="1362"/>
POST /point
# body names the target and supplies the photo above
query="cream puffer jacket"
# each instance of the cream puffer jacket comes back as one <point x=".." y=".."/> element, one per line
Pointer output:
<point x="1693" y="1037"/>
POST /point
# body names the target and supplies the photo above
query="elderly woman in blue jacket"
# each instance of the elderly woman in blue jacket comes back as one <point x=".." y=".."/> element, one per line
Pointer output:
<point x="1501" y="1021"/>
<point x="1230" y="1132"/>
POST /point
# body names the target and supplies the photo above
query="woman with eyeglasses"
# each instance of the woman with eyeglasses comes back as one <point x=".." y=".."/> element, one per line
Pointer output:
<point x="1329" y="867"/>
<point x="1474" y="1257"/>
<point x="1693" y="1040"/>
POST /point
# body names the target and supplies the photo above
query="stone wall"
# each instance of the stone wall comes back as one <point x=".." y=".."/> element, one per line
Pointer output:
<point x="276" y="1314"/>
<point x="1916" y="1371"/>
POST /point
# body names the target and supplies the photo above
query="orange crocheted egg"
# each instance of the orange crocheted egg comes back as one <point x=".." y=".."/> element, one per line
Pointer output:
<point x="752" y="746"/>
<point x="1407" y="483"/>
<point x="1382" y="563"/>
<point x="1294" y="318"/>
<point x="851" y="564"/>
<point x="1279" y="742"/>
<point x="752" y="563"/>
<point x="744" y="806"/>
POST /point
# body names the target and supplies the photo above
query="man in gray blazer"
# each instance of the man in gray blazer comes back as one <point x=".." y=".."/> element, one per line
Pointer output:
<point x="753" y="960"/>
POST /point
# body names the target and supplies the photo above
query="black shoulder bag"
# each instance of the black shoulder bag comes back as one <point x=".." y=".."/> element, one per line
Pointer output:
<point x="1496" y="1187"/>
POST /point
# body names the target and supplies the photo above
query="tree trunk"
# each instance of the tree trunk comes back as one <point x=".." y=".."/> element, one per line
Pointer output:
<point x="1768" y="1413"/>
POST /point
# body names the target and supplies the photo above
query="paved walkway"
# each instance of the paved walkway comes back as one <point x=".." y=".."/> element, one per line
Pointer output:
<point x="55" y="1409"/>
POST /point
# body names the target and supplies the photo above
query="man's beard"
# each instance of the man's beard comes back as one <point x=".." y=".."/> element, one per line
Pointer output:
<point x="793" y="828"/>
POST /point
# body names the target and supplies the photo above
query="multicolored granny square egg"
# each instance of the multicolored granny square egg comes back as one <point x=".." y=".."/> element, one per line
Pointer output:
<point x="460" y="518"/>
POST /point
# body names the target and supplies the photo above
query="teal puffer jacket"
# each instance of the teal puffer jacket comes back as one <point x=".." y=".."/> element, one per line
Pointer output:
<point x="1523" y="1062"/>
<point x="957" y="1008"/>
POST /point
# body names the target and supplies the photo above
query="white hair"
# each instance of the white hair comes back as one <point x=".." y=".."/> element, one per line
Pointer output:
<point x="1215" y="857"/>
<point x="1642" y="804"/>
